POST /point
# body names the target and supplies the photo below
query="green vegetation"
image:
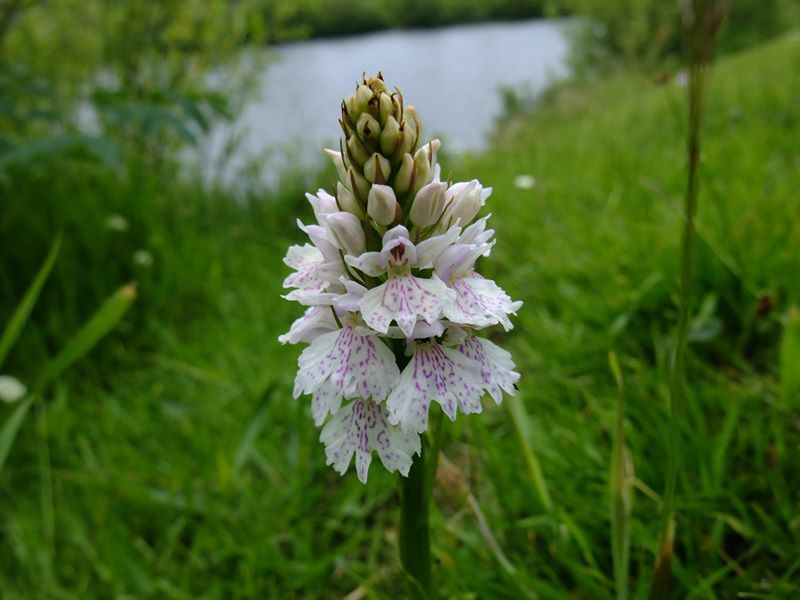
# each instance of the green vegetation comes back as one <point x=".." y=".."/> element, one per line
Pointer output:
<point x="174" y="463"/>
<point x="645" y="33"/>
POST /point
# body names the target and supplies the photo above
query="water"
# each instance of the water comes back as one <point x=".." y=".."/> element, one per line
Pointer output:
<point x="451" y="75"/>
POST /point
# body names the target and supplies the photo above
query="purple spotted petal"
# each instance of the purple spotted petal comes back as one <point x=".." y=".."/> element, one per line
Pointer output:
<point x="304" y="260"/>
<point x="404" y="299"/>
<point x="316" y="321"/>
<point x="361" y="427"/>
<point x="496" y="366"/>
<point x="479" y="302"/>
<point x="345" y="364"/>
<point x="435" y="373"/>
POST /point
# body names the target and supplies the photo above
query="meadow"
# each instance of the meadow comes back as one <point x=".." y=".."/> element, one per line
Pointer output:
<point x="173" y="462"/>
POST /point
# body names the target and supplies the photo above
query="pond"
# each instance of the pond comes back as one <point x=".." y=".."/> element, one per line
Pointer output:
<point x="451" y="75"/>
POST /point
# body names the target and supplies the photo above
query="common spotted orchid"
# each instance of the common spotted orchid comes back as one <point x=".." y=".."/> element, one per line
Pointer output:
<point x="395" y="300"/>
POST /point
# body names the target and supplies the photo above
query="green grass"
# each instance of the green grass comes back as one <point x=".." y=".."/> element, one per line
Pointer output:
<point x="174" y="463"/>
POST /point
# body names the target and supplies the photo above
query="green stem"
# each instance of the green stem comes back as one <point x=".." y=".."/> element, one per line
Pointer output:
<point x="705" y="19"/>
<point x="415" y="538"/>
<point x="415" y="495"/>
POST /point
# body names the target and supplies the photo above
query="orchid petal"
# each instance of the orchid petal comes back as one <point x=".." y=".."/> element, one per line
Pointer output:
<point x="361" y="427"/>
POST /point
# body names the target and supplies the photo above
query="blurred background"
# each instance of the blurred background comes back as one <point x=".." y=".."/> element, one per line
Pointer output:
<point x="153" y="159"/>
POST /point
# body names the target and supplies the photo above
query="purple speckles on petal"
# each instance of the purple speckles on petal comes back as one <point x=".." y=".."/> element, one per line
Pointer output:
<point x="344" y="364"/>
<point x="361" y="427"/>
<point x="496" y="367"/>
<point x="439" y="374"/>
<point x="479" y="302"/>
<point x="403" y="298"/>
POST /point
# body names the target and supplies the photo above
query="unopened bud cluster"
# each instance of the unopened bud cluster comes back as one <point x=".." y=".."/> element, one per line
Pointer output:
<point x="392" y="264"/>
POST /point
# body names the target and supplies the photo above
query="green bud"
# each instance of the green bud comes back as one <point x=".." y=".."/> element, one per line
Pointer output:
<point x="390" y="136"/>
<point x="347" y="200"/>
<point x="386" y="107"/>
<point x="350" y="107"/>
<point x="382" y="204"/>
<point x="357" y="152"/>
<point x="358" y="184"/>
<point x="423" y="169"/>
<point x="368" y="128"/>
<point x="376" y="84"/>
<point x="363" y="96"/>
<point x="406" y="143"/>
<point x="428" y="204"/>
<point x="411" y="117"/>
<point x="402" y="181"/>
<point x="377" y="169"/>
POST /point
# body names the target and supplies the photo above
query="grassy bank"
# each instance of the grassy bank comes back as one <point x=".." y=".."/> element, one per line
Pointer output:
<point x="174" y="463"/>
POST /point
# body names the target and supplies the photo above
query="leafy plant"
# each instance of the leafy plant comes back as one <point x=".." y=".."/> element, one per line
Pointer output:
<point x="103" y="321"/>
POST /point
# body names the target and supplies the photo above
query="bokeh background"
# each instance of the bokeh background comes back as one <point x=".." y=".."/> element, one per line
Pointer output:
<point x="165" y="147"/>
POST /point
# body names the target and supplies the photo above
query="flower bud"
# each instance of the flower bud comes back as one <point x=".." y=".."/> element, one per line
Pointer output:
<point x="411" y="118"/>
<point x="355" y="104"/>
<point x="464" y="200"/>
<point x="347" y="201"/>
<point x="323" y="203"/>
<point x="358" y="184"/>
<point x="377" y="169"/>
<point x="431" y="150"/>
<point x="386" y="108"/>
<point x="428" y="204"/>
<point x="382" y="204"/>
<point x="368" y="128"/>
<point x="402" y="182"/>
<point x="338" y="162"/>
<point x="356" y="151"/>
<point x="423" y="169"/>
<point x="390" y="136"/>
<point x="375" y="83"/>
<point x="347" y="233"/>
<point x="363" y="96"/>
<point x="407" y="137"/>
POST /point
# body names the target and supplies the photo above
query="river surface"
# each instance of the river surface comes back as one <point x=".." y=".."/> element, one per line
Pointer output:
<point x="451" y="75"/>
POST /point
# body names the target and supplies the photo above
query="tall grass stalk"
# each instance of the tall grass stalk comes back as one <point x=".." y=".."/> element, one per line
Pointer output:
<point x="519" y="420"/>
<point x="620" y="492"/>
<point x="702" y="20"/>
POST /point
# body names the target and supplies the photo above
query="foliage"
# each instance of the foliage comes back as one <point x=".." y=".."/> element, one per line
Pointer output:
<point x="132" y="79"/>
<point x="344" y="17"/>
<point x="646" y="32"/>
<point x="101" y="322"/>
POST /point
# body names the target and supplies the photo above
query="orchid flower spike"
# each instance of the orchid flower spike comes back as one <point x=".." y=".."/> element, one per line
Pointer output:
<point x="395" y="301"/>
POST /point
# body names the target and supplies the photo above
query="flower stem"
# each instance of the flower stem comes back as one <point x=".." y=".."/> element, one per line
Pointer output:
<point x="415" y="538"/>
<point x="415" y="496"/>
<point x="703" y="19"/>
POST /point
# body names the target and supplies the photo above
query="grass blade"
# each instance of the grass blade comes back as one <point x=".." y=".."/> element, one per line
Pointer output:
<point x="23" y="311"/>
<point x="106" y="317"/>
<point x="519" y="419"/>
<point x="790" y="358"/>
<point x="11" y="426"/>
<point x="620" y="504"/>
<point x="103" y="321"/>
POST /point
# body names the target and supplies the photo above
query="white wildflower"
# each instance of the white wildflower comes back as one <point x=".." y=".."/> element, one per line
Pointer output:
<point x="143" y="258"/>
<point x="11" y="389"/>
<point x="524" y="182"/>
<point x="117" y="223"/>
